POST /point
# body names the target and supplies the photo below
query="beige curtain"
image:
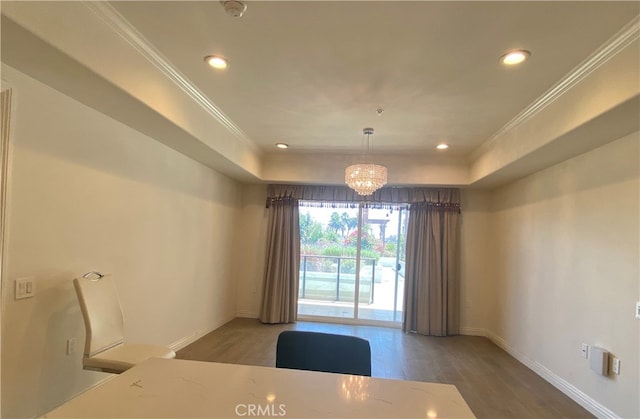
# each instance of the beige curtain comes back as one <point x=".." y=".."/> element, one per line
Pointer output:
<point x="432" y="264"/>
<point x="431" y="294"/>
<point x="280" y="291"/>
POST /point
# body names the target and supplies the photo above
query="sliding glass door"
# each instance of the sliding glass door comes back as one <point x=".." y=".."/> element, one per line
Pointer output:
<point x="352" y="263"/>
<point x="382" y="259"/>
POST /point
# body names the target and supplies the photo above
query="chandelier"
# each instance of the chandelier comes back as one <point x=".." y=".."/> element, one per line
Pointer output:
<point x="365" y="178"/>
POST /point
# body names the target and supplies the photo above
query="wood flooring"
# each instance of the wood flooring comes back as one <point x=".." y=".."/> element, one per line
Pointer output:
<point x="494" y="384"/>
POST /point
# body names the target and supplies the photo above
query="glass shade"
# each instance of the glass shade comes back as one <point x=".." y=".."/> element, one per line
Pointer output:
<point x="365" y="178"/>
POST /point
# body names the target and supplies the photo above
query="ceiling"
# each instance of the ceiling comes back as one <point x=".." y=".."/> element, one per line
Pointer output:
<point x="312" y="73"/>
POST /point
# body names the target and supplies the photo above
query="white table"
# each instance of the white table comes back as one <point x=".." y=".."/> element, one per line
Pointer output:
<point x="172" y="388"/>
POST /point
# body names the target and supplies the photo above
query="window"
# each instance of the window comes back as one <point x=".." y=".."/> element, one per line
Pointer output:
<point x="348" y="251"/>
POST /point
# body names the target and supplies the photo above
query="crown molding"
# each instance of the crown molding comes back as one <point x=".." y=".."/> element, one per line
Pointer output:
<point x="117" y="23"/>
<point x="618" y="42"/>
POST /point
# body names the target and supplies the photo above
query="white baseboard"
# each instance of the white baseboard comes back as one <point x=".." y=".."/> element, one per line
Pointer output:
<point x="473" y="331"/>
<point x="185" y="341"/>
<point x="558" y="382"/>
<point x="188" y="340"/>
<point x="247" y="314"/>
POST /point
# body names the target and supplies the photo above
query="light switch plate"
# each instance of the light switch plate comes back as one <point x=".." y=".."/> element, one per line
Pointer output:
<point x="71" y="346"/>
<point x="638" y="310"/>
<point x="584" y="349"/>
<point x="25" y="288"/>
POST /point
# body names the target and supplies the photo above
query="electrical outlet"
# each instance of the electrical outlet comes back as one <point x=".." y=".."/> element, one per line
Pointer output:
<point x="71" y="346"/>
<point x="615" y="366"/>
<point x="584" y="350"/>
<point x="638" y="310"/>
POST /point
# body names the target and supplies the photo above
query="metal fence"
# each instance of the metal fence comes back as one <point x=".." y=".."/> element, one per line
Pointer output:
<point x="332" y="278"/>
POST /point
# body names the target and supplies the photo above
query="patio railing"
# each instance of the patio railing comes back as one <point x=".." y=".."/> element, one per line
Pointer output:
<point x="332" y="278"/>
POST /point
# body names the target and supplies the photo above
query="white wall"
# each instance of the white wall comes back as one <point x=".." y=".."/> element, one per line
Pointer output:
<point x="548" y="262"/>
<point x="475" y="250"/>
<point x="89" y="193"/>
<point x="566" y="271"/>
<point x="251" y="249"/>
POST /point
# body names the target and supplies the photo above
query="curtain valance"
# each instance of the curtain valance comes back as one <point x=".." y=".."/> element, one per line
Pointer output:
<point x="445" y="198"/>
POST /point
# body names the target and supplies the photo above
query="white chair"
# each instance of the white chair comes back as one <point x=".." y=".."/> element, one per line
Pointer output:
<point x="104" y="348"/>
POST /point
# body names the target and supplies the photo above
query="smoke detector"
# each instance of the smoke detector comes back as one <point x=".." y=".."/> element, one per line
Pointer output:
<point x="233" y="8"/>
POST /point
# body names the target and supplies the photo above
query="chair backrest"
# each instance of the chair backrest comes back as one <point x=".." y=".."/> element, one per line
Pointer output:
<point x="100" y="306"/>
<point x="323" y="352"/>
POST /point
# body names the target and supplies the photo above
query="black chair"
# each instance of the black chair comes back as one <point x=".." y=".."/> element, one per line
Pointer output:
<point x="326" y="352"/>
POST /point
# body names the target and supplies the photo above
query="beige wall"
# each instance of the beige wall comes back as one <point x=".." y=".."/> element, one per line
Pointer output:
<point x="548" y="262"/>
<point x="89" y="193"/>
<point x="475" y="248"/>
<point x="251" y="249"/>
<point x="565" y="265"/>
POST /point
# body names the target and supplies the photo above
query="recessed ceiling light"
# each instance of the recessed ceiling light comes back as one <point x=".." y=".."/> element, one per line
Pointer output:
<point x="217" y="61"/>
<point x="514" y="57"/>
<point x="442" y="146"/>
<point x="282" y="145"/>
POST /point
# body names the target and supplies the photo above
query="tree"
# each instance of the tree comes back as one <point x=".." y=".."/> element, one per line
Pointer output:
<point x="336" y="224"/>
<point x="310" y="229"/>
<point x="368" y="241"/>
<point x="350" y="222"/>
